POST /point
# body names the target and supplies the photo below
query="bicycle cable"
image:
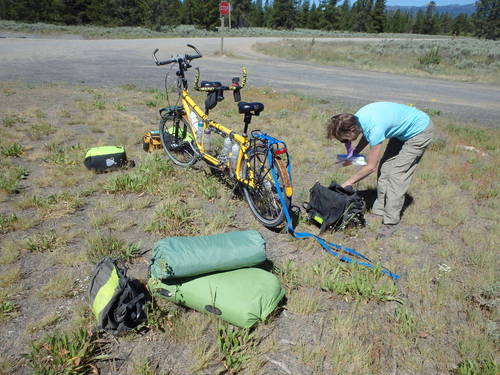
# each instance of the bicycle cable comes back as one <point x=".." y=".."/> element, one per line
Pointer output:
<point x="166" y="85"/>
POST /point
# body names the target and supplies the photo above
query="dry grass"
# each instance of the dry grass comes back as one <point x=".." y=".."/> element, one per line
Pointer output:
<point x="461" y="59"/>
<point x="445" y="317"/>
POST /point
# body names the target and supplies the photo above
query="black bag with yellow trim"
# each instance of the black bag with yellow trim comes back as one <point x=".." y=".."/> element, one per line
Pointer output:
<point x="335" y="207"/>
<point x="116" y="300"/>
<point x="104" y="158"/>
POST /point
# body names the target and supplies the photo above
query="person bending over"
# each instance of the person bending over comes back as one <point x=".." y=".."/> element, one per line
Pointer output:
<point x="409" y="131"/>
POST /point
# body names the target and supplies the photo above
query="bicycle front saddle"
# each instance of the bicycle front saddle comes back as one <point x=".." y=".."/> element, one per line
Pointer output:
<point x="213" y="84"/>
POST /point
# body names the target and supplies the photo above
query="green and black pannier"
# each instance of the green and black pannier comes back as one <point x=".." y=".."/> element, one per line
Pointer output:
<point x="105" y="158"/>
<point x="116" y="300"/>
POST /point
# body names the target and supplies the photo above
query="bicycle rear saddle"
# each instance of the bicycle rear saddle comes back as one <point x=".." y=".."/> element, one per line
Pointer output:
<point x="248" y="108"/>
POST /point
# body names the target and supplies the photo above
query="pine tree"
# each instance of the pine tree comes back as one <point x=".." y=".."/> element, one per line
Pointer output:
<point x="315" y="16"/>
<point x="240" y="12"/>
<point x="429" y="22"/>
<point x="378" y="16"/>
<point x="487" y="19"/>
<point x="268" y="13"/>
<point x="445" y="22"/>
<point x="164" y="13"/>
<point x="345" y="19"/>
<point x="206" y="13"/>
<point x="283" y="14"/>
<point x="362" y="17"/>
<point x="186" y="11"/>
<point x="304" y="13"/>
<point x="331" y="15"/>
<point x="257" y="14"/>
<point x="418" y="25"/>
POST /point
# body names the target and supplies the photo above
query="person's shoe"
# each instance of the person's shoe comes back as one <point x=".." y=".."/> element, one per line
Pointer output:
<point x="386" y="231"/>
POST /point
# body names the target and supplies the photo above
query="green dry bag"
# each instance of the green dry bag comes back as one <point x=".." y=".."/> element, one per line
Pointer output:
<point x="178" y="257"/>
<point x="242" y="297"/>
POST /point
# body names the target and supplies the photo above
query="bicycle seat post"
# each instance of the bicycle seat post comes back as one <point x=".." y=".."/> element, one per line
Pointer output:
<point x="249" y="109"/>
<point x="247" y="120"/>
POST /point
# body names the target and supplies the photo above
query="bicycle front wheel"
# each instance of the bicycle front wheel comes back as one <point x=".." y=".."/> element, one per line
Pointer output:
<point x="178" y="140"/>
<point x="263" y="198"/>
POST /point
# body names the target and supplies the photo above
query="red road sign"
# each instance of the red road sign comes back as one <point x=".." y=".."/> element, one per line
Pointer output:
<point x="224" y="8"/>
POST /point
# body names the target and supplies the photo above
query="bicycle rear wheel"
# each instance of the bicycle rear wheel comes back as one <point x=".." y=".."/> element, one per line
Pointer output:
<point x="178" y="140"/>
<point x="263" y="198"/>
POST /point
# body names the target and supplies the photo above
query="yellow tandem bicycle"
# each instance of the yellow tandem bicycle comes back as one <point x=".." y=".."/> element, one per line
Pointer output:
<point x="247" y="158"/>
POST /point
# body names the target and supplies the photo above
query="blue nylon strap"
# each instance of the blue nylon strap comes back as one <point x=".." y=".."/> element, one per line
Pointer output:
<point x="326" y="245"/>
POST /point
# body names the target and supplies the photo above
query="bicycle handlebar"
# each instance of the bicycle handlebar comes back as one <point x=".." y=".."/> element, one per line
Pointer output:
<point x="235" y="84"/>
<point x="179" y="59"/>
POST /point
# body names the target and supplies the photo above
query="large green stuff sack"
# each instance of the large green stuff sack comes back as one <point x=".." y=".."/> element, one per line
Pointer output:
<point x="177" y="257"/>
<point x="242" y="297"/>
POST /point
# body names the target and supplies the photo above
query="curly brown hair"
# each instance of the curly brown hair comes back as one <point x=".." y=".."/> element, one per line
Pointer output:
<point x="342" y="125"/>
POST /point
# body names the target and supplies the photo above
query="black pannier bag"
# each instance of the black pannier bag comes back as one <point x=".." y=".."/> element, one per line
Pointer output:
<point x="116" y="300"/>
<point x="335" y="207"/>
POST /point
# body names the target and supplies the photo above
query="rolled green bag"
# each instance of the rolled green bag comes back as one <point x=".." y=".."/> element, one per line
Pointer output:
<point x="242" y="297"/>
<point x="178" y="257"/>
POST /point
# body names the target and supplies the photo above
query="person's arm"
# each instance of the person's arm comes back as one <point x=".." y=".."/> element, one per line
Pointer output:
<point x="371" y="166"/>
<point x="361" y="145"/>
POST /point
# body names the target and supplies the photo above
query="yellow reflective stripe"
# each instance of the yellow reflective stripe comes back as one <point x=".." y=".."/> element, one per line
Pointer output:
<point x="105" y="294"/>
<point x="319" y="219"/>
<point x="104" y="150"/>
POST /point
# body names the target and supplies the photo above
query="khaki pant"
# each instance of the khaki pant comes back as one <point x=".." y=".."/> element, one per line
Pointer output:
<point x="396" y="170"/>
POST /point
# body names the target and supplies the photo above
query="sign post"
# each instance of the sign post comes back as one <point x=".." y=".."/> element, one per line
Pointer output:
<point x="223" y="10"/>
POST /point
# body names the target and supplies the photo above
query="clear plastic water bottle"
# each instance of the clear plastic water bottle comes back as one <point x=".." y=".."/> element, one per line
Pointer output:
<point x="206" y="139"/>
<point x="226" y="149"/>
<point x="193" y="118"/>
<point x="235" y="150"/>
<point x="199" y="129"/>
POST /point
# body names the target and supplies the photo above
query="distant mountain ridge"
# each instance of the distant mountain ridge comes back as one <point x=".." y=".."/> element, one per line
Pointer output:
<point x="453" y="10"/>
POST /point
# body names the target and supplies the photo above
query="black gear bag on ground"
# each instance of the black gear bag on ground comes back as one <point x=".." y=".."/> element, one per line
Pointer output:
<point x="106" y="158"/>
<point x="335" y="206"/>
<point x="116" y="300"/>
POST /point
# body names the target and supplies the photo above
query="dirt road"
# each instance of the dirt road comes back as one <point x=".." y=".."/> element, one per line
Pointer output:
<point x="118" y="62"/>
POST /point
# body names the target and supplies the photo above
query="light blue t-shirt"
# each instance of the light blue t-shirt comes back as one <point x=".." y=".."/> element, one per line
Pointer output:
<point x="383" y="120"/>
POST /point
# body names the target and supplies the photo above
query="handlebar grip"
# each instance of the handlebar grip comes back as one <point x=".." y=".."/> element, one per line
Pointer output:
<point x="166" y="62"/>
<point x="192" y="57"/>
<point x="198" y="53"/>
<point x="237" y="95"/>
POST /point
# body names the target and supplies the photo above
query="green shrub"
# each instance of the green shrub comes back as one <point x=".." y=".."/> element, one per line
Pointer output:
<point x="149" y="177"/>
<point x="473" y="367"/>
<point x="14" y="150"/>
<point x="236" y="346"/>
<point x="101" y="246"/>
<point x="65" y="354"/>
<point x="41" y="242"/>
<point x="7" y="222"/>
<point x="431" y="57"/>
<point x="10" y="175"/>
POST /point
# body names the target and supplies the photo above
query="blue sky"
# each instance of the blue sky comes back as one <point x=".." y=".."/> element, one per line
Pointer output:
<point x="425" y="2"/>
